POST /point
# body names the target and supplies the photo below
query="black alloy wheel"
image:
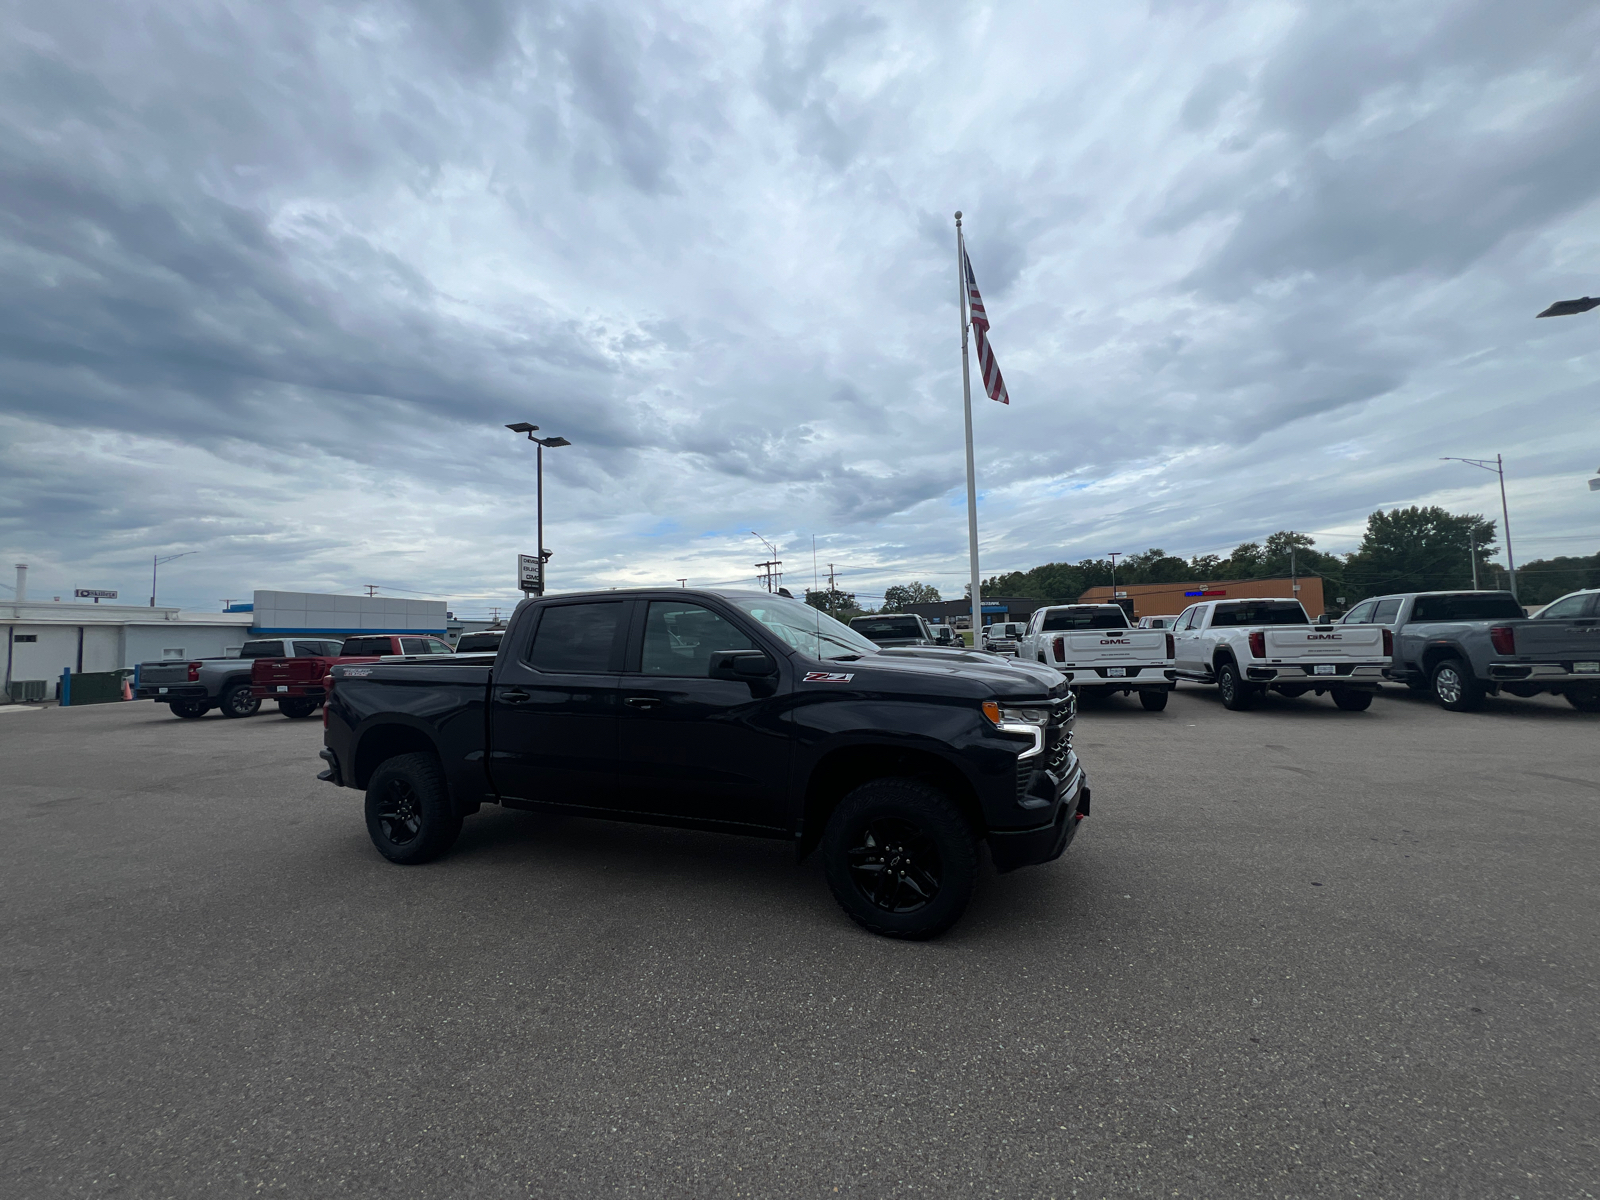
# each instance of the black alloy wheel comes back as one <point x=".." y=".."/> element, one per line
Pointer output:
<point x="238" y="702"/>
<point x="297" y="709"/>
<point x="410" y="817"/>
<point x="895" y="865"/>
<point x="1237" y="695"/>
<point x="189" y="710"/>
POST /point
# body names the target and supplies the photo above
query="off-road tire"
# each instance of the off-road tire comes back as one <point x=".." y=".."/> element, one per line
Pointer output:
<point x="1237" y="695"/>
<point x="1455" y="687"/>
<point x="900" y="858"/>
<point x="189" y="710"/>
<point x="409" y="814"/>
<point x="298" y="709"/>
<point x="1154" y="701"/>
<point x="1352" y="699"/>
<point x="238" y="702"/>
<point x="1584" y="701"/>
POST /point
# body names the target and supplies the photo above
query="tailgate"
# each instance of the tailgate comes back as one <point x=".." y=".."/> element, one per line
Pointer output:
<point x="1306" y="643"/>
<point x="1117" y="645"/>
<point x="301" y="671"/>
<point x="163" y="673"/>
<point x="1557" y="640"/>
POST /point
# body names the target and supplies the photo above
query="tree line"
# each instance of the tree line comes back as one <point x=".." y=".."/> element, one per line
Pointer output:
<point x="1413" y="549"/>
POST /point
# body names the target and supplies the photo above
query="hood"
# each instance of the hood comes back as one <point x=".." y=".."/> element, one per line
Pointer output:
<point x="937" y="671"/>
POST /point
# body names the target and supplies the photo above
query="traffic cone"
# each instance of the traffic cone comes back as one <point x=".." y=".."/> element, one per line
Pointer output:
<point x="127" y="689"/>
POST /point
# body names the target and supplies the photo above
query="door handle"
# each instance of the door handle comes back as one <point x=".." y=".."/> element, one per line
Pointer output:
<point x="515" y="696"/>
<point x="642" y="701"/>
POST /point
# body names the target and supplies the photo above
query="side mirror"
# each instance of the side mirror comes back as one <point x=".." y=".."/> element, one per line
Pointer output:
<point x="741" y="665"/>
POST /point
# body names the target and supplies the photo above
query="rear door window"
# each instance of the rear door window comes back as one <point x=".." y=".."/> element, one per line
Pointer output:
<point x="1385" y="612"/>
<point x="578" y="639"/>
<point x="1568" y="606"/>
<point x="679" y="639"/>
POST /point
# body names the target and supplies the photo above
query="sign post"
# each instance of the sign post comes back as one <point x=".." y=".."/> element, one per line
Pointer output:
<point x="530" y="574"/>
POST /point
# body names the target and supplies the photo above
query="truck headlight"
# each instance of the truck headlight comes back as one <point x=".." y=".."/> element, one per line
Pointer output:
<point x="1015" y="719"/>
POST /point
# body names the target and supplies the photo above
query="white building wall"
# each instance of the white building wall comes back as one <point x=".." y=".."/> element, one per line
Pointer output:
<point x="321" y="613"/>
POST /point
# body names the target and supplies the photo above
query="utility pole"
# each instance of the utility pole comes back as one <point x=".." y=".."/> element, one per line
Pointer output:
<point x="1294" y="576"/>
<point x="772" y="576"/>
<point x="1472" y="541"/>
<point x="372" y="589"/>
<point x="1115" y="554"/>
<point x="683" y="581"/>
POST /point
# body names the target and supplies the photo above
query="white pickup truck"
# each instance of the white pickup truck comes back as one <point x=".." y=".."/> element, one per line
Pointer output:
<point x="1093" y="646"/>
<point x="1246" y="647"/>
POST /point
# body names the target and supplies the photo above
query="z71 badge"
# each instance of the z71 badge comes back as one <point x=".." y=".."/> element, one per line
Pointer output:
<point x="827" y="677"/>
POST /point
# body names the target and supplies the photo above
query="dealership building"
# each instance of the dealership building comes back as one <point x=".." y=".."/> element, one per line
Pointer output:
<point x="89" y="633"/>
<point x="1170" y="599"/>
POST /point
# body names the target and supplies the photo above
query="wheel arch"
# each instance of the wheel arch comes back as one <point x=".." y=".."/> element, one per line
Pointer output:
<point x="388" y="740"/>
<point x="845" y="768"/>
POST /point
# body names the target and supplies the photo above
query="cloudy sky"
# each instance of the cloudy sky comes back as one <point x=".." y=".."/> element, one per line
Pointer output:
<point x="276" y="275"/>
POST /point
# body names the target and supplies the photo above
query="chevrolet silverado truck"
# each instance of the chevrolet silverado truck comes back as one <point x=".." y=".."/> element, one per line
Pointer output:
<point x="740" y="712"/>
<point x="1459" y="647"/>
<point x="296" y="682"/>
<point x="193" y="688"/>
<point x="1247" y="647"/>
<point x="1094" y="647"/>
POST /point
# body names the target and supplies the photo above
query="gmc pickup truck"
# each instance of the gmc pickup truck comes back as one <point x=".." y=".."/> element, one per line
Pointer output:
<point x="296" y="683"/>
<point x="1248" y="646"/>
<point x="1459" y="647"/>
<point x="193" y="688"/>
<point x="1094" y="647"/>
<point x="741" y="712"/>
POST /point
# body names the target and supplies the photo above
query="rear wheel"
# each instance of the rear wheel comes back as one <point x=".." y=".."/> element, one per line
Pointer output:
<point x="1585" y="701"/>
<point x="189" y="709"/>
<point x="297" y="709"/>
<point x="238" y="702"/>
<point x="409" y="815"/>
<point x="1153" y="701"/>
<point x="1236" y="693"/>
<point x="1352" y="699"/>
<point x="1455" y="687"/>
<point x="900" y="858"/>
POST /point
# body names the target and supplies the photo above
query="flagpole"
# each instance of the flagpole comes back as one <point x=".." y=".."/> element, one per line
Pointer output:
<point x="972" y="472"/>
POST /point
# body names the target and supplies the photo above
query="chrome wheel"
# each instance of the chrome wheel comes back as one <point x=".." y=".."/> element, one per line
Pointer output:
<point x="895" y="866"/>
<point x="1447" y="685"/>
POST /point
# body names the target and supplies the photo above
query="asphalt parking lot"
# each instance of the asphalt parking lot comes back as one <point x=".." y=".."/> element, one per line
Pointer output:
<point x="1294" y="952"/>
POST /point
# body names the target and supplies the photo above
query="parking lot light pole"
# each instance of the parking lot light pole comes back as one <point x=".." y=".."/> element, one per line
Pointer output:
<point x="1571" y="308"/>
<point x="1499" y="468"/>
<point x="1115" y="554"/>
<point x="155" y="564"/>
<point x="541" y="443"/>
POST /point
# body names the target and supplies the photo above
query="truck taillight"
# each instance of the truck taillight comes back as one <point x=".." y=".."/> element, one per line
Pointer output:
<point x="1258" y="643"/>
<point x="1172" y="646"/>
<point x="1060" y="649"/>
<point x="1504" y="638"/>
<point x="327" y="695"/>
<point x="194" y="672"/>
<point x="1388" y="643"/>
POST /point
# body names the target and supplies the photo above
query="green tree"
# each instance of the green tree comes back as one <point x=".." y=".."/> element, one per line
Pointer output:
<point x="837" y="604"/>
<point x="1417" y="550"/>
<point x="901" y="596"/>
<point x="1546" y="579"/>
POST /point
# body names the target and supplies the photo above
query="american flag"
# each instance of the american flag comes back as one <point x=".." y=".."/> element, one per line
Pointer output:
<point x="987" y="367"/>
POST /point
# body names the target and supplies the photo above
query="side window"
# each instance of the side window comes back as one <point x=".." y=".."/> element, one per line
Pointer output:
<point x="1386" y="612"/>
<point x="576" y="638"/>
<point x="415" y="646"/>
<point x="1361" y="613"/>
<point x="435" y="646"/>
<point x="680" y="638"/>
<point x="1185" y="619"/>
<point x="1567" y="606"/>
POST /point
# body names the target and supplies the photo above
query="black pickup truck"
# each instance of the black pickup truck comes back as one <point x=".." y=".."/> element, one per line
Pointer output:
<point x="742" y="712"/>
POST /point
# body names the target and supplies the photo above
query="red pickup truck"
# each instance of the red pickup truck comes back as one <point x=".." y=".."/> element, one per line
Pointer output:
<point x="296" y="683"/>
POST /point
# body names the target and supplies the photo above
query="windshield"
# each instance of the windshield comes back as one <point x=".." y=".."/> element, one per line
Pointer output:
<point x="1286" y="612"/>
<point x="1467" y="606"/>
<point x="808" y="630"/>
<point x="1085" y="618"/>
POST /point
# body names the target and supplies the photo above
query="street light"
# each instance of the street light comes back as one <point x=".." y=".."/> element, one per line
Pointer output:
<point x="1571" y="308"/>
<point x="156" y="562"/>
<point x="1115" y="554"/>
<point x="1499" y="468"/>
<point x="541" y="443"/>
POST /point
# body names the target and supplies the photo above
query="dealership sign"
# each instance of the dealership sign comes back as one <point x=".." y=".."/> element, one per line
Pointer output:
<point x="94" y="594"/>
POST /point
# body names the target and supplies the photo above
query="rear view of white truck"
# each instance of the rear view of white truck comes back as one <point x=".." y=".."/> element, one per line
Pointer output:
<point x="1247" y="647"/>
<point x="1099" y="653"/>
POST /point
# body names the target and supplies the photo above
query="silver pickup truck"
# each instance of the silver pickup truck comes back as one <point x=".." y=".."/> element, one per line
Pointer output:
<point x="1459" y="647"/>
<point x="193" y="687"/>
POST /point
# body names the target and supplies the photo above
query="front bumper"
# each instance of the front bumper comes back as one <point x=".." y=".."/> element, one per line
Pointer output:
<point x="165" y="693"/>
<point x="1013" y="848"/>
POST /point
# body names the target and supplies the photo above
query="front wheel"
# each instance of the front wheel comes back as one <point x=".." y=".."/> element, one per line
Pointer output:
<point x="1585" y="701"/>
<point x="297" y="709"/>
<point x="189" y="710"/>
<point x="1352" y="699"/>
<point x="1455" y="686"/>
<point x="1153" y="701"/>
<point x="409" y="815"/>
<point x="900" y="858"/>
<point x="238" y="702"/>
<point x="1237" y="695"/>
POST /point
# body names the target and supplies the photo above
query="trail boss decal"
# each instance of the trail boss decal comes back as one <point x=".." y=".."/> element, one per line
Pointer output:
<point x="827" y="677"/>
